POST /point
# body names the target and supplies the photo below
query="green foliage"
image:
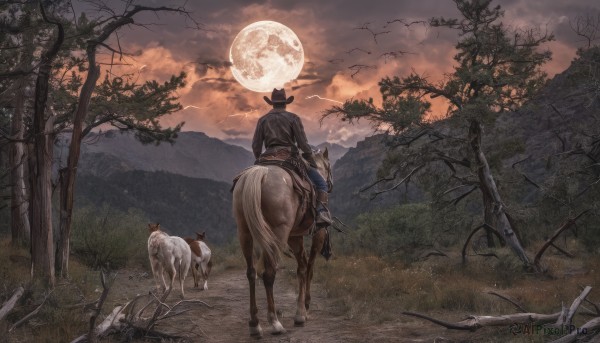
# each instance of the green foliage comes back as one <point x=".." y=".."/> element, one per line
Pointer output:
<point x="390" y="231"/>
<point x="183" y="205"/>
<point x="138" y="107"/>
<point x="107" y="238"/>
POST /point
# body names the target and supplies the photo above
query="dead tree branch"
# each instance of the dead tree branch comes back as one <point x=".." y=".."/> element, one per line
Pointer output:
<point x="10" y="303"/>
<point x="473" y="323"/>
<point x="405" y="179"/>
<point x="557" y="233"/>
<point x="593" y="324"/>
<point x="30" y="315"/>
<point x="564" y="252"/>
<point x="484" y="225"/>
<point x="519" y="307"/>
<point x="91" y="336"/>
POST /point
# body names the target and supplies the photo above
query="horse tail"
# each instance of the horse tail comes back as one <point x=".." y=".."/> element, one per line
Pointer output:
<point x="250" y="186"/>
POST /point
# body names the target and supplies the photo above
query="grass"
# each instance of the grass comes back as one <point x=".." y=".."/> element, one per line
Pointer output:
<point x="58" y="319"/>
<point x="375" y="289"/>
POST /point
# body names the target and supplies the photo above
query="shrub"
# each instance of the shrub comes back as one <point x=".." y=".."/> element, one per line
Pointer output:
<point x="390" y="231"/>
<point x="104" y="237"/>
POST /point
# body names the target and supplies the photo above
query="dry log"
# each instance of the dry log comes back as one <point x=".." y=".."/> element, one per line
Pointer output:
<point x="110" y="323"/>
<point x="576" y="304"/>
<point x="128" y="318"/>
<point x="10" y="303"/>
<point x="584" y="331"/>
<point x="30" y="315"/>
<point x="473" y="323"/>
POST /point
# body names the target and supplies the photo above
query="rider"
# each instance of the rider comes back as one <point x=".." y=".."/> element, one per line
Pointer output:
<point x="280" y="129"/>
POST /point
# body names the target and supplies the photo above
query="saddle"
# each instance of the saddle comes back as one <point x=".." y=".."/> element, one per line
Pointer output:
<point x="296" y="167"/>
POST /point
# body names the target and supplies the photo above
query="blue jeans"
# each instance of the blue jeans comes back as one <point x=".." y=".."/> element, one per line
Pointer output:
<point x="317" y="179"/>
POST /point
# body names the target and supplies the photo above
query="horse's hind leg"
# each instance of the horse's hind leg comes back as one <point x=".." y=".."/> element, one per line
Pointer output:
<point x="269" y="281"/>
<point x="317" y="244"/>
<point x="156" y="271"/>
<point x="204" y="273"/>
<point x="170" y="268"/>
<point x="297" y="245"/>
<point x="247" y="248"/>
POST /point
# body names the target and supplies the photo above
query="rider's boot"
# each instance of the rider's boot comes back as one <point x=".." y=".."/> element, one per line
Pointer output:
<point x="323" y="215"/>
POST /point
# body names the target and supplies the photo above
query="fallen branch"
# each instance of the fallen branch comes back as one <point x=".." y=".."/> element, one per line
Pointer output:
<point x="586" y="328"/>
<point x="473" y="323"/>
<point x="519" y="307"/>
<point x="30" y="315"/>
<point x="576" y="304"/>
<point x="10" y="303"/>
<point x="550" y="241"/>
<point x="127" y="319"/>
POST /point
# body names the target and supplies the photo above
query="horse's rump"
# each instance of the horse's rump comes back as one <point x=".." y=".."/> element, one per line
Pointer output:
<point x="247" y="191"/>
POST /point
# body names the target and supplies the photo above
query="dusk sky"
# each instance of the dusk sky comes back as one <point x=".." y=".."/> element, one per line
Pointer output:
<point x="333" y="42"/>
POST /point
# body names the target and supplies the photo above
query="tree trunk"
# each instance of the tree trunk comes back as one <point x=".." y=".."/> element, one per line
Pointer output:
<point x="42" y="243"/>
<point x="68" y="174"/>
<point x="494" y="208"/>
<point x="19" y="218"/>
<point x="488" y="218"/>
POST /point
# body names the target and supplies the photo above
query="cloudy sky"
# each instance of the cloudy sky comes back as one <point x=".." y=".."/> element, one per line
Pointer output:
<point x="336" y="35"/>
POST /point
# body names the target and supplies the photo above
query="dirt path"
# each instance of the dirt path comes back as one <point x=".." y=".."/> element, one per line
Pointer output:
<point x="227" y="320"/>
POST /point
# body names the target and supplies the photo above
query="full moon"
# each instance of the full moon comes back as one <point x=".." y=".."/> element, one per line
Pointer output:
<point x="266" y="55"/>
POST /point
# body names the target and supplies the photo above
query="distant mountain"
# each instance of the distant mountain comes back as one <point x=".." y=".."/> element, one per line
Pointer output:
<point x="357" y="169"/>
<point x="245" y="143"/>
<point x="336" y="151"/>
<point x="193" y="154"/>
<point x="182" y="205"/>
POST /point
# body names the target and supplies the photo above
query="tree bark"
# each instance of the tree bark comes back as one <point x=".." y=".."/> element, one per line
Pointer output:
<point x="494" y="208"/>
<point x="19" y="219"/>
<point x="68" y="174"/>
<point x="42" y="242"/>
<point x="19" y="216"/>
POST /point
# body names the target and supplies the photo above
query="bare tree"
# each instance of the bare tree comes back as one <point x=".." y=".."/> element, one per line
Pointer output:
<point x="587" y="27"/>
<point x="42" y="242"/>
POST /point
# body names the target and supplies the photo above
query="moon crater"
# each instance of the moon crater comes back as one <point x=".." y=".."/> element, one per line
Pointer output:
<point x="266" y="55"/>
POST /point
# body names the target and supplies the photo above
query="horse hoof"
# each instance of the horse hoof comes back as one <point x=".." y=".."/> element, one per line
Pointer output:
<point x="277" y="329"/>
<point x="256" y="331"/>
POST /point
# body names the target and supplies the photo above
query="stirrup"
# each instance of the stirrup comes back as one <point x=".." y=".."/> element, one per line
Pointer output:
<point x="324" y="219"/>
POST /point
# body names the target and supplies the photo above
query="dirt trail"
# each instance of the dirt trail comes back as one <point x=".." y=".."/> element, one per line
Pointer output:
<point x="227" y="320"/>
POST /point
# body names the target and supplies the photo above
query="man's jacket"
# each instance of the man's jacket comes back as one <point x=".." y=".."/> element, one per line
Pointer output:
<point x="279" y="128"/>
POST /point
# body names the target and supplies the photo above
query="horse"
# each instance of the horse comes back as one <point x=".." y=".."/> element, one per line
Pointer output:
<point x="268" y="213"/>
<point x="168" y="253"/>
<point x="201" y="259"/>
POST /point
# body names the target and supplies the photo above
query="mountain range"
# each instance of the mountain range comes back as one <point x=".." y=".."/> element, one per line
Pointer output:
<point x="186" y="185"/>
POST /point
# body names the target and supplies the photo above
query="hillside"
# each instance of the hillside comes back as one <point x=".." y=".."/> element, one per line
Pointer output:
<point x="182" y="205"/>
<point x="193" y="154"/>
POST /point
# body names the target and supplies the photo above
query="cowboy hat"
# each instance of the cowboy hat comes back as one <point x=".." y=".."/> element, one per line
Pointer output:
<point x="278" y="97"/>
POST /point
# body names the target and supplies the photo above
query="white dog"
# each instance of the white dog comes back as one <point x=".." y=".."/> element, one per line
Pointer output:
<point x="168" y="253"/>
